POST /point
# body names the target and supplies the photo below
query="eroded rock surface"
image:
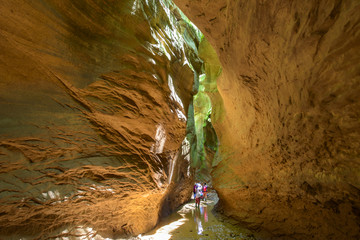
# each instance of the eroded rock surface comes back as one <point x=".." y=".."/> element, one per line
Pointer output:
<point x="289" y="133"/>
<point x="93" y="106"/>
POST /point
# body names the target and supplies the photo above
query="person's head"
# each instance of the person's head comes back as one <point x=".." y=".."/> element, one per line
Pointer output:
<point x="204" y="183"/>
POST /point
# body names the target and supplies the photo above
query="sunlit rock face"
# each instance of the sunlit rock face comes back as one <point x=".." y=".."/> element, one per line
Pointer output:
<point x="289" y="136"/>
<point x="93" y="110"/>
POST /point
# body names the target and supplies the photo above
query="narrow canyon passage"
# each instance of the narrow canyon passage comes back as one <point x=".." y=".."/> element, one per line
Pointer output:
<point x="111" y="110"/>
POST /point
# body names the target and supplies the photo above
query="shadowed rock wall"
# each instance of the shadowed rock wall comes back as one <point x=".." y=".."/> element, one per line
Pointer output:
<point x="290" y="129"/>
<point x="93" y="106"/>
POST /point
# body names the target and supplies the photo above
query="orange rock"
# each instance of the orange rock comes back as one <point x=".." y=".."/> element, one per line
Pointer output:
<point x="290" y="90"/>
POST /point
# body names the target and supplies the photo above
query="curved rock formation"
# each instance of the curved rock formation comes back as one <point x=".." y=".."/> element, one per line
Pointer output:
<point x="289" y="131"/>
<point x="94" y="98"/>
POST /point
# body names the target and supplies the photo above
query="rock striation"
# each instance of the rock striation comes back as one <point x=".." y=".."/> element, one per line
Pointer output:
<point x="94" y="100"/>
<point x="288" y="116"/>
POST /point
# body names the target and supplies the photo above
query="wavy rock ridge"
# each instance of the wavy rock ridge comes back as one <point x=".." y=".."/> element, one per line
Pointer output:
<point x="289" y="131"/>
<point x="94" y="99"/>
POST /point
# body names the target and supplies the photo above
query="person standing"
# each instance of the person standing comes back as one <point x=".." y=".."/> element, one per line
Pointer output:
<point x="195" y="186"/>
<point x="205" y="191"/>
<point x="198" y="195"/>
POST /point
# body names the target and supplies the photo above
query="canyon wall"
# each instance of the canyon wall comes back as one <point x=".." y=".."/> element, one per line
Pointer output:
<point x="288" y="116"/>
<point x="94" y="100"/>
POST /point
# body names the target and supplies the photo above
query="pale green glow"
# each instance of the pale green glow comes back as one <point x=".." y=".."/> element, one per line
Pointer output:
<point x="176" y="40"/>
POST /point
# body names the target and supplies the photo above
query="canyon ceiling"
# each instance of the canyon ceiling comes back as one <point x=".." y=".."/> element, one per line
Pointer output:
<point x="96" y="114"/>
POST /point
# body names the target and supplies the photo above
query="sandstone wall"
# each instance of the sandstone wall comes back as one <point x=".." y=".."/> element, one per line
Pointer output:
<point x="93" y="106"/>
<point x="290" y="129"/>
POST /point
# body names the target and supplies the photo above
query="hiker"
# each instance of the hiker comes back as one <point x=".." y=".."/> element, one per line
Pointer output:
<point x="205" y="191"/>
<point x="195" y="186"/>
<point x="198" y="194"/>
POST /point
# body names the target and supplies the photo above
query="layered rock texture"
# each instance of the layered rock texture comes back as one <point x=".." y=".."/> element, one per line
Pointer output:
<point x="94" y="98"/>
<point x="288" y="123"/>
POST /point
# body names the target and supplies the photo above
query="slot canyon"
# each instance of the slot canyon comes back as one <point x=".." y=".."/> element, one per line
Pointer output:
<point x="111" y="110"/>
